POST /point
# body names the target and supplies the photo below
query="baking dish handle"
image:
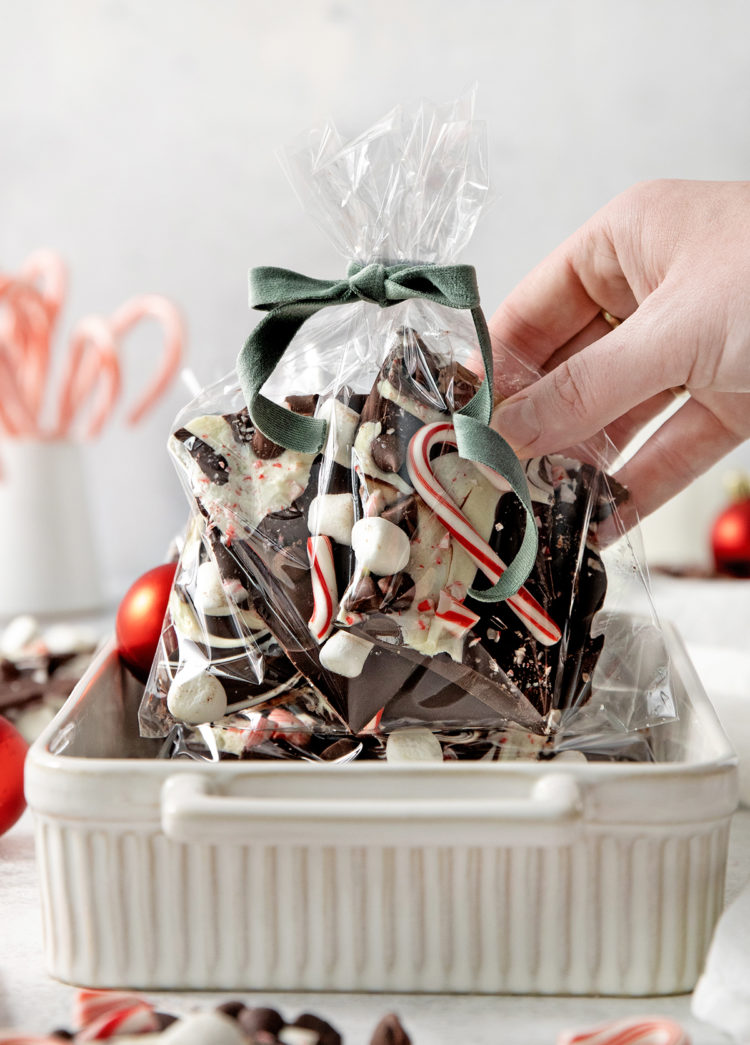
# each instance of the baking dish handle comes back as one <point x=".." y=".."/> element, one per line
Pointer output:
<point x="193" y="811"/>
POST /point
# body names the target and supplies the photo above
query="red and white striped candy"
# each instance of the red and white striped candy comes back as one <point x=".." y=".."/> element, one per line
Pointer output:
<point x="456" y="617"/>
<point x="325" y="589"/>
<point x="14" y="1038"/>
<point x="641" y="1031"/>
<point x="102" y="1014"/>
<point x="523" y="604"/>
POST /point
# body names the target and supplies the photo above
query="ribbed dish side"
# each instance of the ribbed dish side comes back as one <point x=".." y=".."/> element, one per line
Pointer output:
<point x="617" y="913"/>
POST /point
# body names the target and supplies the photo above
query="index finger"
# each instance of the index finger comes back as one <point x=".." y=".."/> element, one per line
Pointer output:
<point x="559" y="298"/>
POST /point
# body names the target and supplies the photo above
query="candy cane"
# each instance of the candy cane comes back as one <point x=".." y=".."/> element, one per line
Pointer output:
<point x="14" y="1038"/>
<point x="154" y="307"/>
<point x="46" y="267"/>
<point x="16" y="414"/>
<point x="24" y="334"/>
<point x="523" y="604"/>
<point x="325" y="589"/>
<point x="456" y="617"/>
<point x="102" y="1014"/>
<point x="92" y="361"/>
<point x="641" y="1031"/>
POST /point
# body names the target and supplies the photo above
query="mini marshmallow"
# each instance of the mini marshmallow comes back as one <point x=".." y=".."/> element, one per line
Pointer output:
<point x="196" y="698"/>
<point x="332" y="514"/>
<point x="19" y="634"/>
<point x="291" y="1035"/>
<point x="413" y="745"/>
<point x="209" y="591"/>
<point x="342" y="427"/>
<point x="69" y="638"/>
<point x="199" y="1028"/>
<point x="345" y="654"/>
<point x="380" y="546"/>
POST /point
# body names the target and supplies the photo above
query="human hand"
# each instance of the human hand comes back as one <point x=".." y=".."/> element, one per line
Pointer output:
<point x="672" y="260"/>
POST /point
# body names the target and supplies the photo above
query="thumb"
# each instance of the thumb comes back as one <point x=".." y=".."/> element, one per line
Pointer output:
<point x="594" y="386"/>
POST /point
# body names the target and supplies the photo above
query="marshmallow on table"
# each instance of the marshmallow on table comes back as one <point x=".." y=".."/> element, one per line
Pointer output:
<point x="332" y="514"/>
<point x="19" y="634"/>
<point x="380" y="546"/>
<point x="200" y="1028"/>
<point x="722" y="995"/>
<point x="196" y="698"/>
<point x="345" y="654"/>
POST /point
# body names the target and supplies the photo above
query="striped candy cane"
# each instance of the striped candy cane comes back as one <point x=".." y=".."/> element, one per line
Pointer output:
<point x="523" y="604"/>
<point x="641" y="1031"/>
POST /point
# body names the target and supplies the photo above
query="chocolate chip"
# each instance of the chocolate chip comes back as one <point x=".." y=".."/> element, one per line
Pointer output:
<point x="264" y="447"/>
<point x="231" y="1008"/>
<point x="388" y="451"/>
<point x="213" y="465"/>
<point x="390" y="1032"/>
<point x="302" y="404"/>
<point x="403" y="513"/>
<point x="327" y="1035"/>
<point x="253" y="1020"/>
<point x="166" y="1019"/>
<point x="62" y="1034"/>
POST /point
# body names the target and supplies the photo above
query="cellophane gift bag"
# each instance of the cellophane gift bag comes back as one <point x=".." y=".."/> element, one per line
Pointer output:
<point x="370" y="572"/>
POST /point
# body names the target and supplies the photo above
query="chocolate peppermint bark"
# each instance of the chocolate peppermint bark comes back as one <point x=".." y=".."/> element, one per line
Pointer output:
<point x="215" y="644"/>
<point x="363" y="556"/>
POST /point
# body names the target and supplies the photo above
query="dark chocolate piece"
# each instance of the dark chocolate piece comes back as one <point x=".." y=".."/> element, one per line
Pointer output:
<point x="213" y="465"/>
<point x="304" y="404"/>
<point x="253" y="1020"/>
<point x="265" y="447"/>
<point x="241" y="426"/>
<point x="390" y="1032"/>
<point x="404" y="514"/>
<point x="327" y="1035"/>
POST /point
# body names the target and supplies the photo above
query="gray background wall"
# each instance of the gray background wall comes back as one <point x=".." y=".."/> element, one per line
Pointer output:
<point x="138" y="139"/>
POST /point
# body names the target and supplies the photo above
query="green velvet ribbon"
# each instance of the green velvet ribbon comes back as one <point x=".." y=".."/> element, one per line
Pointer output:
<point x="291" y="298"/>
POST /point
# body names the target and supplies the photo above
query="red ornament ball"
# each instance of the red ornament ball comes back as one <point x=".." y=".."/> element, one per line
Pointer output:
<point x="13" y="750"/>
<point x="140" y="618"/>
<point x="730" y="540"/>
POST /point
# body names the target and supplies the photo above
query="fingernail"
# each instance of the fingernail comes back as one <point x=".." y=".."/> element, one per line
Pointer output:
<point x="517" y="423"/>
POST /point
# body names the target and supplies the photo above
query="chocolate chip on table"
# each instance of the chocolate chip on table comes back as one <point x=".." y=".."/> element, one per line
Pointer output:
<point x="390" y="1032"/>
<point x="260" y="1019"/>
<point x="327" y="1035"/>
<point x="166" y="1019"/>
<point x="231" y="1008"/>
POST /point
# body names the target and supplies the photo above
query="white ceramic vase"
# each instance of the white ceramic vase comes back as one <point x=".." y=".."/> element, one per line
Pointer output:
<point x="48" y="561"/>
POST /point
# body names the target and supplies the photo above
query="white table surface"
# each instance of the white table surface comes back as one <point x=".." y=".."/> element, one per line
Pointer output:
<point x="714" y="619"/>
<point x="33" y="1001"/>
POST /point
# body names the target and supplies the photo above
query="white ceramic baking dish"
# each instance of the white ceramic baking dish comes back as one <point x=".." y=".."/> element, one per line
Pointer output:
<point x="562" y="877"/>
